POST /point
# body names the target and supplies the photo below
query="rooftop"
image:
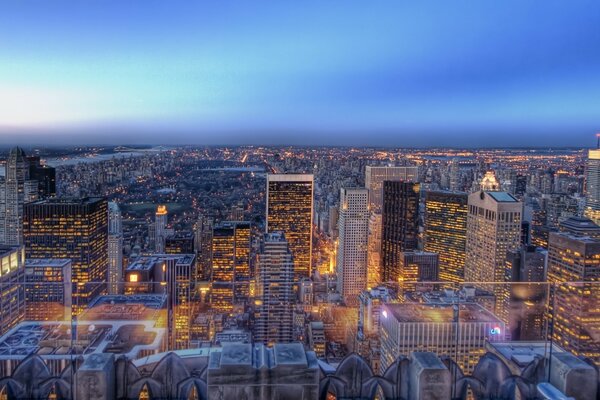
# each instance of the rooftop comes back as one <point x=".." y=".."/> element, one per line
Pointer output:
<point x="439" y="313"/>
<point x="503" y="197"/>
<point x="47" y="262"/>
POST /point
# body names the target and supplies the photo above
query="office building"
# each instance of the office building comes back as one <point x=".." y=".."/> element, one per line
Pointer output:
<point x="76" y="229"/>
<point x="592" y="184"/>
<point x="400" y="223"/>
<point x="48" y="289"/>
<point x="352" y="250"/>
<point x="375" y="176"/>
<point x="180" y="243"/>
<point x="574" y="271"/>
<point x="493" y="228"/>
<point x="446" y="232"/>
<point x="415" y="267"/>
<point x="12" y="287"/>
<point x="203" y="244"/>
<point x="526" y="270"/>
<point x="459" y="331"/>
<point x="16" y="189"/>
<point x="369" y="310"/>
<point x="160" y="226"/>
<point x="290" y="210"/>
<point x="115" y="218"/>
<point x="230" y="278"/>
<point x="44" y="175"/>
<point x="274" y="319"/>
<point x="115" y="263"/>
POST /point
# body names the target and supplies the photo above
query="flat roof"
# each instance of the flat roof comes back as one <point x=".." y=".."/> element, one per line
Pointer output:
<point x="503" y="197"/>
<point x="439" y="313"/>
<point x="290" y="177"/>
<point x="47" y="262"/>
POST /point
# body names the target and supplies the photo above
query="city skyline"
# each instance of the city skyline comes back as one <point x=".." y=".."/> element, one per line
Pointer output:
<point x="392" y="74"/>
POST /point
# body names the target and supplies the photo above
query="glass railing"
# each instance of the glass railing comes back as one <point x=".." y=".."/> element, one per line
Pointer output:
<point x="529" y="330"/>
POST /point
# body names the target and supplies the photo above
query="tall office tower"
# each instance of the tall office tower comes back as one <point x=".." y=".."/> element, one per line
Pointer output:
<point x="16" y="190"/>
<point x="414" y="267"/>
<point x="458" y="332"/>
<point x="203" y="245"/>
<point x="160" y="226"/>
<point x="526" y="267"/>
<point x="455" y="182"/>
<point x="44" y="175"/>
<point x="115" y="263"/>
<point x="180" y="243"/>
<point x="574" y="269"/>
<point x="493" y="228"/>
<point x="400" y="223"/>
<point x="12" y="287"/>
<point x="374" y="250"/>
<point x="230" y="265"/>
<point x="75" y="229"/>
<point x="115" y="218"/>
<point x="48" y="289"/>
<point x="290" y="210"/>
<point x="375" y="176"/>
<point x="446" y="232"/>
<point x="352" y="250"/>
<point x="274" y="322"/>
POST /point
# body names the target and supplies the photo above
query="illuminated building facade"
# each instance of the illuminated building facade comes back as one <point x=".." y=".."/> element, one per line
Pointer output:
<point x="180" y="243"/>
<point x="352" y="250"/>
<point x="203" y="244"/>
<point x="446" y="232"/>
<point x="290" y="210"/>
<point x="414" y="267"/>
<point x="115" y="263"/>
<point x="230" y="265"/>
<point x="76" y="229"/>
<point x="274" y="320"/>
<point x="493" y="228"/>
<point x="400" y="223"/>
<point x="592" y="195"/>
<point x="574" y="268"/>
<point x="460" y="332"/>
<point x="115" y="218"/>
<point x="160" y="226"/>
<point x="48" y="289"/>
<point x="16" y="189"/>
<point x="12" y="288"/>
<point x="374" y="178"/>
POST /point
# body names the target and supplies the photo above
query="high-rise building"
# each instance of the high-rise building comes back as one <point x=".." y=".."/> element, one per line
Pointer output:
<point x="526" y="268"/>
<point x="48" y="289"/>
<point x="414" y="267"/>
<point x="160" y="226"/>
<point x="274" y="321"/>
<point x="12" y="287"/>
<point x="76" y="229"/>
<point x="446" y="232"/>
<point x="44" y="175"/>
<point x="574" y="269"/>
<point x="592" y="182"/>
<point x="230" y="265"/>
<point x="458" y="331"/>
<point x="455" y="183"/>
<point x="352" y="249"/>
<point x="374" y="250"/>
<point x="203" y="245"/>
<point x="493" y="228"/>
<point x="115" y="218"/>
<point x="180" y="243"/>
<point x="115" y="263"/>
<point x="375" y="176"/>
<point x="290" y="210"/>
<point x="400" y="224"/>
<point x="16" y="190"/>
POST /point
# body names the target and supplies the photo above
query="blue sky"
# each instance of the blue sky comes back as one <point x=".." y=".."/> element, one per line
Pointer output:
<point x="400" y="73"/>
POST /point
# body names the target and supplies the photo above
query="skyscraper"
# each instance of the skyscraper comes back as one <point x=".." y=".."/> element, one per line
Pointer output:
<point x="44" y="175"/>
<point x="400" y="221"/>
<point x="493" y="228"/>
<point x="446" y="231"/>
<point x="115" y="249"/>
<point x="592" y="181"/>
<point x="71" y="228"/>
<point x="290" y="210"/>
<point x="274" y="322"/>
<point x="574" y="269"/>
<point x="115" y="218"/>
<point x="230" y="265"/>
<point x="48" y="289"/>
<point x="416" y="266"/>
<point x="160" y="225"/>
<point x="16" y="190"/>
<point x="203" y="245"/>
<point x="12" y="287"/>
<point x="375" y="176"/>
<point x="352" y="249"/>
